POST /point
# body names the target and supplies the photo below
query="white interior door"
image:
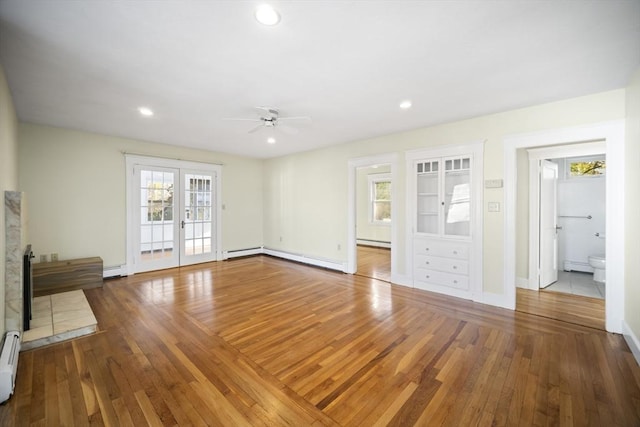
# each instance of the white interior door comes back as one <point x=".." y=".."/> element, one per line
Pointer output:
<point x="173" y="216"/>
<point x="548" y="256"/>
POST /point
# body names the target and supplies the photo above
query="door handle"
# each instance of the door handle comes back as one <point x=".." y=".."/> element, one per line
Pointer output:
<point x="558" y="227"/>
<point x="182" y="224"/>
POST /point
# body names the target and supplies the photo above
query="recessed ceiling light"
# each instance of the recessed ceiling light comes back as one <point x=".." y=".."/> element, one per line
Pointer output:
<point x="271" y="140"/>
<point x="267" y="15"/>
<point x="145" y="111"/>
<point x="406" y="104"/>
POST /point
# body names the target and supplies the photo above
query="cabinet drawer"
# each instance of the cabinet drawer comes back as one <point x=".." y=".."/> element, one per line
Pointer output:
<point x="441" y="249"/>
<point x="444" y="279"/>
<point x="447" y="265"/>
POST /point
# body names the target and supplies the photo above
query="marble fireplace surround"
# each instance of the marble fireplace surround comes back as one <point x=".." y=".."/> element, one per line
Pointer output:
<point x="15" y="241"/>
<point x="56" y="317"/>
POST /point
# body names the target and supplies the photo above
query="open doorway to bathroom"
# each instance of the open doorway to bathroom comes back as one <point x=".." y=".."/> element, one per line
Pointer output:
<point x="580" y="226"/>
<point x="567" y="232"/>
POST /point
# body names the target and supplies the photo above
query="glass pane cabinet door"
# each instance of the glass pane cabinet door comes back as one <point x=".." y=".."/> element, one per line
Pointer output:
<point x="428" y="206"/>
<point x="457" y="196"/>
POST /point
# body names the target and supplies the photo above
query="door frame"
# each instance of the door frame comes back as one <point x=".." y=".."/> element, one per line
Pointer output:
<point x="390" y="159"/>
<point x="612" y="133"/>
<point x="132" y="160"/>
<point x="535" y="156"/>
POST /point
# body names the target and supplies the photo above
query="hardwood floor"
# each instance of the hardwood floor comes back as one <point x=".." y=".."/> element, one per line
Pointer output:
<point x="374" y="262"/>
<point x="560" y="306"/>
<point x="262" y="341"/>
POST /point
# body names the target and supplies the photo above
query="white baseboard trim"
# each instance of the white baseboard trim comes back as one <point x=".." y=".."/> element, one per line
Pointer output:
<point x="114" y="271"/>
<point x="497" y="300"/>
<point x="445" y="290"/>
<point x="376" y="243"/>
<point x="325" y="263"/>
<point x="522" y="282"/>
<point x="242" y="252"/>
<point x="402" y="280"/>
<point x="632" y="341"/>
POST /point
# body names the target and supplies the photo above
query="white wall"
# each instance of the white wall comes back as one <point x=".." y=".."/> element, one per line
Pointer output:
<point x="75" y="182"/>
<point x="632" y="207"/>
<point x="300" y="187"/>
<point x="580" y="197"/>
<point x="8" y="172"/>
<point x="365" y="230"/>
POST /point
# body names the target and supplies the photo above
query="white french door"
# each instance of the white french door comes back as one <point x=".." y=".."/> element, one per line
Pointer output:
<point x="156" y="218"/>
<point x="172" y="214"/>
<point x="197" y="223"/>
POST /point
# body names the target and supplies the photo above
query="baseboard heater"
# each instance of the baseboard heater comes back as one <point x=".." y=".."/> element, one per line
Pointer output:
<point x="9" y="364"/>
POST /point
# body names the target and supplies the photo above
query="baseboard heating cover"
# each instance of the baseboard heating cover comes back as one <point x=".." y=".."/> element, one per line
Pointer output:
<point x="9" y="364"/>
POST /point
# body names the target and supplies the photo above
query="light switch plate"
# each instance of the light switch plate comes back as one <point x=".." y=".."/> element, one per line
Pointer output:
<point x="494" y="206"/>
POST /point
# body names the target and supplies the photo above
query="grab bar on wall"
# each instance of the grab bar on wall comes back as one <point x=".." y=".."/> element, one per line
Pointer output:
<point x="575" y="216"/>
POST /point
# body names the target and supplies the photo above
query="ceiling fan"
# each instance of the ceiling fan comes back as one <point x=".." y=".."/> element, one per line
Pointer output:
<point x="270" y="118"/>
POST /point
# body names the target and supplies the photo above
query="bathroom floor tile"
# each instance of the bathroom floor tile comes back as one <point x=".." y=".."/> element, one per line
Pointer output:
<point x="577" y="283"/>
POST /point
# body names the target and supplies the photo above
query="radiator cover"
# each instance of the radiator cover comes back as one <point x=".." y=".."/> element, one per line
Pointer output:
<point x="9" y="364"/>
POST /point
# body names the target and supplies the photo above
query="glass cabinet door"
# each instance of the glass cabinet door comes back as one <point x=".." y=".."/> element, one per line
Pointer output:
<point x="457" y="196"/>
<point x="428" y="206"/>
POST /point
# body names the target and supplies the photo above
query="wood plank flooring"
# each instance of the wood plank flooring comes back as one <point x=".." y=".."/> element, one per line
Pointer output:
<point x="560" y="306"/>
<point x="374" y="262"/>
<point x="265" y="342"/>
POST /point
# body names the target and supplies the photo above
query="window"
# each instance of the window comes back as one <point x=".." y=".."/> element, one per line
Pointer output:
<point x="380" y="199"/>
<point x="585" y="167"/>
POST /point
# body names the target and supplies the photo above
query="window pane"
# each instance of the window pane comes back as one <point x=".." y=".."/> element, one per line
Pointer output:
<point x="383" y="190"/>
<point x="382" y="211"/>
<point x="594" y="168"/>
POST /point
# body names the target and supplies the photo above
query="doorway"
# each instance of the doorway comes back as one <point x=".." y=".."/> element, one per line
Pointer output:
<point x="172" y="213"/>
<point x="388" y="161"/>
<point x="374" y="190"/>
<point x="612" y="135"/>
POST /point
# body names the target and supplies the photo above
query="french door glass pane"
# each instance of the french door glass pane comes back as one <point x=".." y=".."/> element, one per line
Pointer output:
<point x="156" y="214"/>
<point x="197" y="214"/>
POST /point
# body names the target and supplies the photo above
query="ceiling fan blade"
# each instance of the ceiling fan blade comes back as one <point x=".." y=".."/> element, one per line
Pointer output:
<point x="288" y="129"/>
<point x="256" y="129"/>
<point x="272" y="111"/>
<point x="299" y="118"/>
<point x="238" y="119"/>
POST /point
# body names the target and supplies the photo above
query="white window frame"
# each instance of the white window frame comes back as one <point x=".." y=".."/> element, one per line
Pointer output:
<point x="373" y="179"/>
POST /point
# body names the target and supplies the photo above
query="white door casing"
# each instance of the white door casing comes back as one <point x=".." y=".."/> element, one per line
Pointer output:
<point x="548" y="252"/>
<point x="611" y="134"/>
<point x="177" y="202"/>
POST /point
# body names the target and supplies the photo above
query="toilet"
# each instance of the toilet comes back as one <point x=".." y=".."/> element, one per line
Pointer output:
<point x="598" y="263"/>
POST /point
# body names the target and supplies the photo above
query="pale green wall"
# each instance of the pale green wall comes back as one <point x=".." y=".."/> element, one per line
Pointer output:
<point x="306" y="194"/>
<point x="632" y="205"/>
<point x="364" y="228"/>
<point x="8" y="171"/>
<point x="75" y="183"/>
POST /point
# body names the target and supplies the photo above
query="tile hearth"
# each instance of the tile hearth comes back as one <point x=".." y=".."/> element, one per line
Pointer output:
<point x="59" y="317"/>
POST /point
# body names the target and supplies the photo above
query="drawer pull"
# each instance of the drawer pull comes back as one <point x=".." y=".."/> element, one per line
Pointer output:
<point x="455" y="267"/>
<point x="455" y="252"/>
<point x="455" y="281"/>
<point x="427" y="249"/>
<point x="426" y="262"/>
<point x="428" y="276"/>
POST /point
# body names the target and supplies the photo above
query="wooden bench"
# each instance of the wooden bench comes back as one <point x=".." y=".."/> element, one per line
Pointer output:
<point x="63" y="276"/>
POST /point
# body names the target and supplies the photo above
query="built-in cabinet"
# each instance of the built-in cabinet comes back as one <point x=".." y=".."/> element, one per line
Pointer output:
<point x="445" y="222"/>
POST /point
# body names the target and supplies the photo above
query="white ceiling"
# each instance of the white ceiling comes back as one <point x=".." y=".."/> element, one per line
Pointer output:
<point x="89" y="65"/>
